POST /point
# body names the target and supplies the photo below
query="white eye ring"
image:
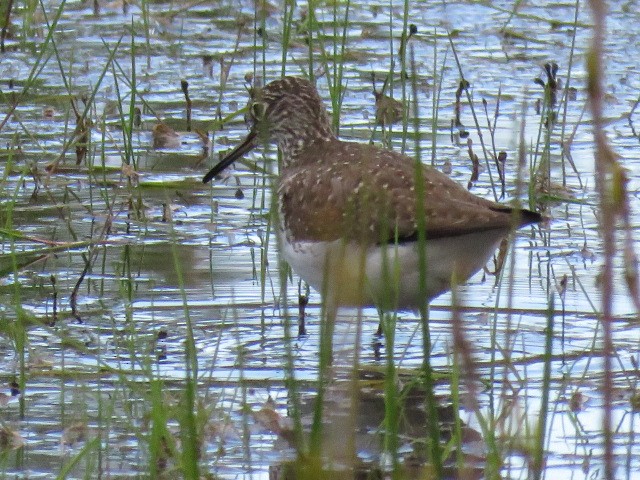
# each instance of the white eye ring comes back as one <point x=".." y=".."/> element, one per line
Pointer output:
<point x="258" y="110"/>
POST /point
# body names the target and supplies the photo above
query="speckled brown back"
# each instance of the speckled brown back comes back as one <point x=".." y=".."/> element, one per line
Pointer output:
<point x="356" y="191"/>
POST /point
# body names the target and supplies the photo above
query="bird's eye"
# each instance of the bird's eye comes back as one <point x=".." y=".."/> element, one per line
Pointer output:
<point x="258" y="110"/>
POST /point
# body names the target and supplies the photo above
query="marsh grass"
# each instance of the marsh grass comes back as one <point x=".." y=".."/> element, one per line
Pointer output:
<point x="115" y="388"/>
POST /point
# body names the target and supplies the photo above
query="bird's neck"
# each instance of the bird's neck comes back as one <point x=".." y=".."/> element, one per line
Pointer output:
<point x="293" y="146"/>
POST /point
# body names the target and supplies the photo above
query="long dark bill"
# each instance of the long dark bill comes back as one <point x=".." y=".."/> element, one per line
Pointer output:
<point x="247" y="145"/>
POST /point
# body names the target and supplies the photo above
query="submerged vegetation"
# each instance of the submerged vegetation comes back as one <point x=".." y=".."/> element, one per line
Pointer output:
<point x="147" y="325"/>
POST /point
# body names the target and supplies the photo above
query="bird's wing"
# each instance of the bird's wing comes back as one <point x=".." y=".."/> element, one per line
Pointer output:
<point x="369" y="195"/>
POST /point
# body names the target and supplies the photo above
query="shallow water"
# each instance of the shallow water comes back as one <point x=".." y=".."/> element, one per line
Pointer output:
<point x="171" y="259"/>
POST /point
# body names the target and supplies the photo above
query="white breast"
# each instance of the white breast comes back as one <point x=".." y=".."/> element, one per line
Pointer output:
<point x="388" y="277"/>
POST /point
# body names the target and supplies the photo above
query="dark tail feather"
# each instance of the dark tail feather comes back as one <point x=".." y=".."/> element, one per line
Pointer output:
<point x="527" y="217"/>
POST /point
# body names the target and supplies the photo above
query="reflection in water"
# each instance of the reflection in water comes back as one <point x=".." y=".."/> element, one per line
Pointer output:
<point x="366" y="431"/>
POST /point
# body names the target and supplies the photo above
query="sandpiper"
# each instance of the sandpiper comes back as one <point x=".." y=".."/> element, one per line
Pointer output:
<point x="352" y="215"/>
